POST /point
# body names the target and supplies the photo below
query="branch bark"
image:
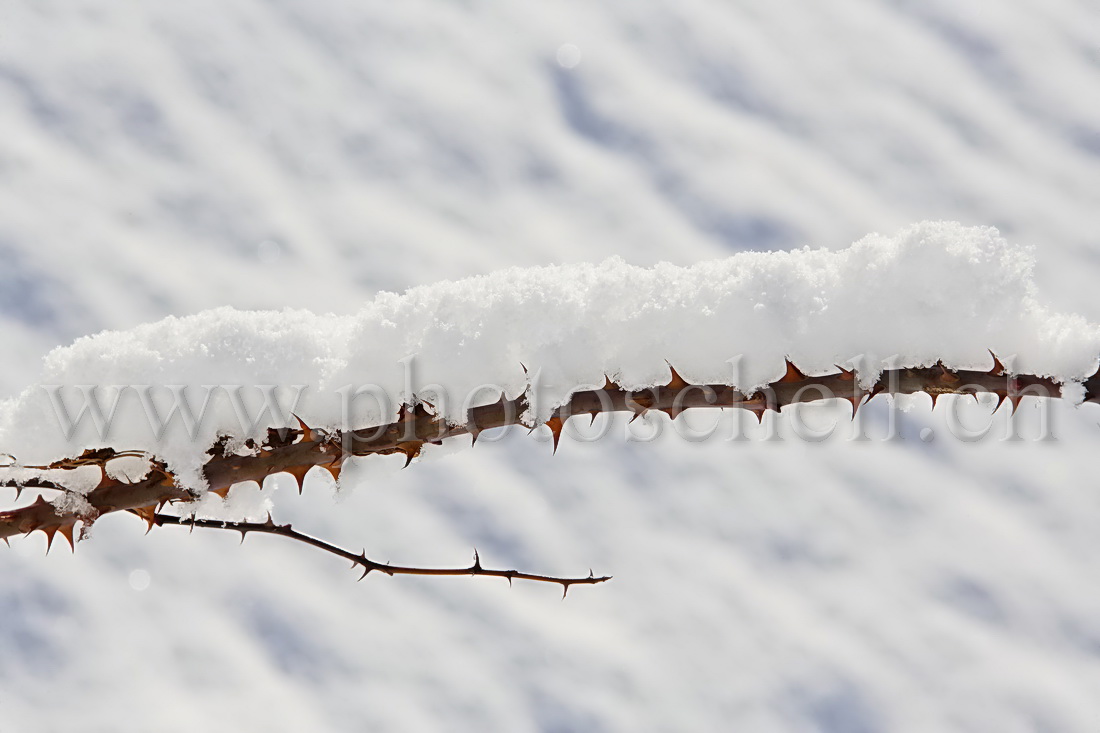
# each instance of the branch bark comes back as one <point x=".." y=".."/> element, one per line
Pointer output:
<point x="299" y="450"/>
<point x="361" y="560"/>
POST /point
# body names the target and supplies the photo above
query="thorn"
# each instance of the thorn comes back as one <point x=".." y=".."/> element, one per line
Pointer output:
<point x="794" y="374"/>
<point x="564" y="590"/>
<point x="411" y="449"/>
<point x="104" y="479"/>
<point x="299" y="475"/>
<point x="856" y="402"/>
<point x="335" y="468"/>
<point x="672" y="412"/>
<point x="934" y="396"/>
<point x="847" y="375"/>
<point x="948" y="375"/>
<point x="6" y="541"/>
<point x="223" y="492"/>
<point x="676" y="382"/>
<point x="147" y="513"/>
<point x="757" y="411"/>
<point x="269" y="522"/>
<point x="476" y="568"/>
<point x="555" y="424"/>
<point x="49" y="532"/>
<point x="608" y="385"/>
<point x="525" y="372"/>
<point x="595" y="414"/>
<point x="998" y="368"/>
<point x="474" y="432"/>
<point x="303" y="428"/>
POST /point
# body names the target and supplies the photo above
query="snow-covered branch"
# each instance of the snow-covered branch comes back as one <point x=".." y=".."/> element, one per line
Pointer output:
<point x="207" y="402"/>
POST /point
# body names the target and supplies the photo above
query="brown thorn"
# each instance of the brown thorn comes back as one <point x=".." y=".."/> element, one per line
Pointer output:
<point x="847" y="375"/>
<point x="947" y="374"/>
<point x="299" y="475"/>
<point x="998" y="368"/>
<point x="66" y="531"/>
<point x="675" y="382"/>
<point x="49" y="531"/>
<point x="555" y="424"/>
<point x="794" y="374"/>
<point x="335" y="468"/>
<point x="104" y="479"/>
<point x="411" y="449"/>
<point x="672" y="412"/>
<point x="307" y="432"/>
<point x="148" y="513"/>
<point x="362" y="561"/>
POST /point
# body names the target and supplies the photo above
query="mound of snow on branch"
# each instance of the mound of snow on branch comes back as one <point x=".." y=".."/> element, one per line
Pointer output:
<point x="933" y="291"/>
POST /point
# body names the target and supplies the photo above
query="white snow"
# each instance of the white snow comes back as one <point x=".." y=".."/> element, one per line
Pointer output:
<point x="164" y="158"/>
<point x="932" y="291"/>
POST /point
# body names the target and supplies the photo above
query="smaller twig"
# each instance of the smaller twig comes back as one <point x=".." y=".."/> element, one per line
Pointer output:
<point x="33" y="482"/>
<point x="361" y="560"/>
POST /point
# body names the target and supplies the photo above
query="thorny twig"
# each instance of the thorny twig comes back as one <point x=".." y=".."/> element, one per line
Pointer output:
<point x="298" y="450"/>
<point x="361" y="560"/>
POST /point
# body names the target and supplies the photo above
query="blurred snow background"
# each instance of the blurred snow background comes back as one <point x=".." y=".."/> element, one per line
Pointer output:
<point x="164" y="158"/>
